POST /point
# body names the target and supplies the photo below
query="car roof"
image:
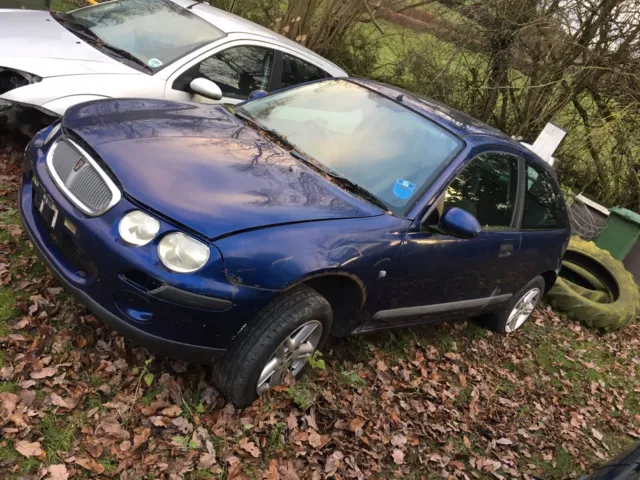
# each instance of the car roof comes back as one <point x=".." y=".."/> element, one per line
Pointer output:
<point x="230" y="23"/>
<point x="453" y="120"/>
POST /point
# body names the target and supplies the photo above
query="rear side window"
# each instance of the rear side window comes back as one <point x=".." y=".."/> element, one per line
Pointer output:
<point x="295" y="71"/>
<point x="543" y="204"/>
<point x="487" y="189"/>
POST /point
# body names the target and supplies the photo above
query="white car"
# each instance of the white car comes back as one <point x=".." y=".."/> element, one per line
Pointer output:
<point x="181" y="50"/>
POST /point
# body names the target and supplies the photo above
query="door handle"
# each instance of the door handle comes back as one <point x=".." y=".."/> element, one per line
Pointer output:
<point x="506" y="249"/>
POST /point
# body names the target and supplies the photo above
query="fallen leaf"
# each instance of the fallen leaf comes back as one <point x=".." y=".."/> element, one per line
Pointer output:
<point x="398" y="456"/>
<point x="315" y="440"/>
<point x="183" y="424"/>
<point x="172" y="411"/>
<point x="90" y="464"/>
<point x="356" y="424"/>
<point x="6" y="372"/>
<point x="140" y="436"/>
<point x="20" y="324"/>
<point x="597" y="434"/>
<point x="30" y="449"/>
<point x="14" y="230"/>
<point x="59" y="401"/>
<point x="111" y="427"/>
<point x="334" y="462"/>
<point x="399" y="440"/>
<point x="206" y="461"/>
<point x="504" y="441"/>
<point x="235" y="472"/>
<point x="43" y="373"/>
<point x="57" y="472"/>
<point x="250" y="447"/>
<point x="160" y="421"/>
<point x="94" y="449"/>
<point x="272" y="472"/>
<point x="8" y="402"/>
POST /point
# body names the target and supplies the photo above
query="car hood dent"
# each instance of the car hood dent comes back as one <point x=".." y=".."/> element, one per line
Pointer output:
<point x="202" y="167"/>
<point x="34" y="42"/>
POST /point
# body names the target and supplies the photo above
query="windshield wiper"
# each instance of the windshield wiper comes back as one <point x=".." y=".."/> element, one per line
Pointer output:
<point x="124" y="54"/>
<point x="76" y="26"/>
<point x="272" y="133"/>
<point x="341" y="180"/>
<point x="85" y="32"/>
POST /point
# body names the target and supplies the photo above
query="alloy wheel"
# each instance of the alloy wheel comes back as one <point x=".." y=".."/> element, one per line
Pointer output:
<point x="522" y="310"/>
<point x="290" y="356"/>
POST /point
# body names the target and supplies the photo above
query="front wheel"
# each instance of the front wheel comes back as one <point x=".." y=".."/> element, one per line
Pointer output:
<point x="277" y="344"/>
<point x="519" y="308"/>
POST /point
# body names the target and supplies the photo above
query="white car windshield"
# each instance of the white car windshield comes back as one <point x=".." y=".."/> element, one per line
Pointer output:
<point x="153" y="32"/>
<point x="368" y="139"/>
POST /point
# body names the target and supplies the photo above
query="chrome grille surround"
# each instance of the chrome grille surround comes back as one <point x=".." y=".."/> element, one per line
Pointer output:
<point x="80" y="178"/>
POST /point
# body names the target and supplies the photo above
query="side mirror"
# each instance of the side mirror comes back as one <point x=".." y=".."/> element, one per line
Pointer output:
<point x="257" y="94"/>
<point x="206" y="88"/>
<point x="459" y="223"/>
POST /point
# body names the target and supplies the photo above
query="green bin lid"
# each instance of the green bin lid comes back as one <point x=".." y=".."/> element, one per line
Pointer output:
<point x="627" y="214"/>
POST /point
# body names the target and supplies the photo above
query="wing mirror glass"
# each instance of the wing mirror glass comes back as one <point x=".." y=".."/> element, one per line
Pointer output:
<point x="459" y="223"/>
<point x="206" y="88"/>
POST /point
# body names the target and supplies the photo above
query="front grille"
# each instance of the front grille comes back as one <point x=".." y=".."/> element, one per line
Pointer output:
<point x="80" y="178"/>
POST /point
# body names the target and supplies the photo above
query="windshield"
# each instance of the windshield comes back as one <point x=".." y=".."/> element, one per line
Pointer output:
<point x="155" y="31"/>
<point x="374" y="142"/>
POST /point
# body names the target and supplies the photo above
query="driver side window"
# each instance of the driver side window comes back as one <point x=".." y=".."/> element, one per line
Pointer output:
<point x="238" y="71"/>
<point x="487" y="189"/>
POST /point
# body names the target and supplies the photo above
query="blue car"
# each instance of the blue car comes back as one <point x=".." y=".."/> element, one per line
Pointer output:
<point x="244" y="236"/>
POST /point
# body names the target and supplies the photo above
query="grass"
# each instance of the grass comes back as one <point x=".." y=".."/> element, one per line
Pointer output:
<point x="348" y="377"/>
<point x="57" y="436"/>
<point x="62" y="6"/>
<point x="9" y="387"/>
<point x="443" y="54"/>
<point x="9" y="456"/>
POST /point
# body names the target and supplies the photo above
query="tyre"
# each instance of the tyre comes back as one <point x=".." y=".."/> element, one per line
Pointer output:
<point x="599" y="296"/>
<point x="519" y="308"/>
<point x="622" y="291"/>
<point x="581" y="276"/>
<point x="277" y="344"/>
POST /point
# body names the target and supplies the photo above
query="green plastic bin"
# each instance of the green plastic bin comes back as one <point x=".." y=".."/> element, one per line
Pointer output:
<point x="620" y="233"/>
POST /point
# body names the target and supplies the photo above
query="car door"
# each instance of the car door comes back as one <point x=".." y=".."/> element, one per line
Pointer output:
<point x="237" y="68"/>
<point x="438" y="276"/>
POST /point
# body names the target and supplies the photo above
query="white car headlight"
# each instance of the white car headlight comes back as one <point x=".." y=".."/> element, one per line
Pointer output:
<point x="138" y="228"/>
<point x="54" y="131"/>
<point x="181" y="253"/>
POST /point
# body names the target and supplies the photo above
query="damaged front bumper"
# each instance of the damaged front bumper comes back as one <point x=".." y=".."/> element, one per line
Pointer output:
<point x="18" y="116"/>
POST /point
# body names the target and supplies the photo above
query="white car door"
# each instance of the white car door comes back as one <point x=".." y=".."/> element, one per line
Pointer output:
<point x="237" y="67"/>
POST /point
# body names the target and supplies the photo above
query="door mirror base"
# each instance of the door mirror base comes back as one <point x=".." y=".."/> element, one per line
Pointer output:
<point x="206" y="88"/>
<point x="459" y="223"/>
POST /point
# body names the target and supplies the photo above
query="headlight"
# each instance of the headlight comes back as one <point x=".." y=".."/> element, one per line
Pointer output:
<point x="54" y="131"/>
<point x="181" y="253"/>
<point x="138" y="228"/>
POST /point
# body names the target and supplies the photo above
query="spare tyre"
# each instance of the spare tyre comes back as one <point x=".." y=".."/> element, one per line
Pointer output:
<point x="619" y="284"/>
